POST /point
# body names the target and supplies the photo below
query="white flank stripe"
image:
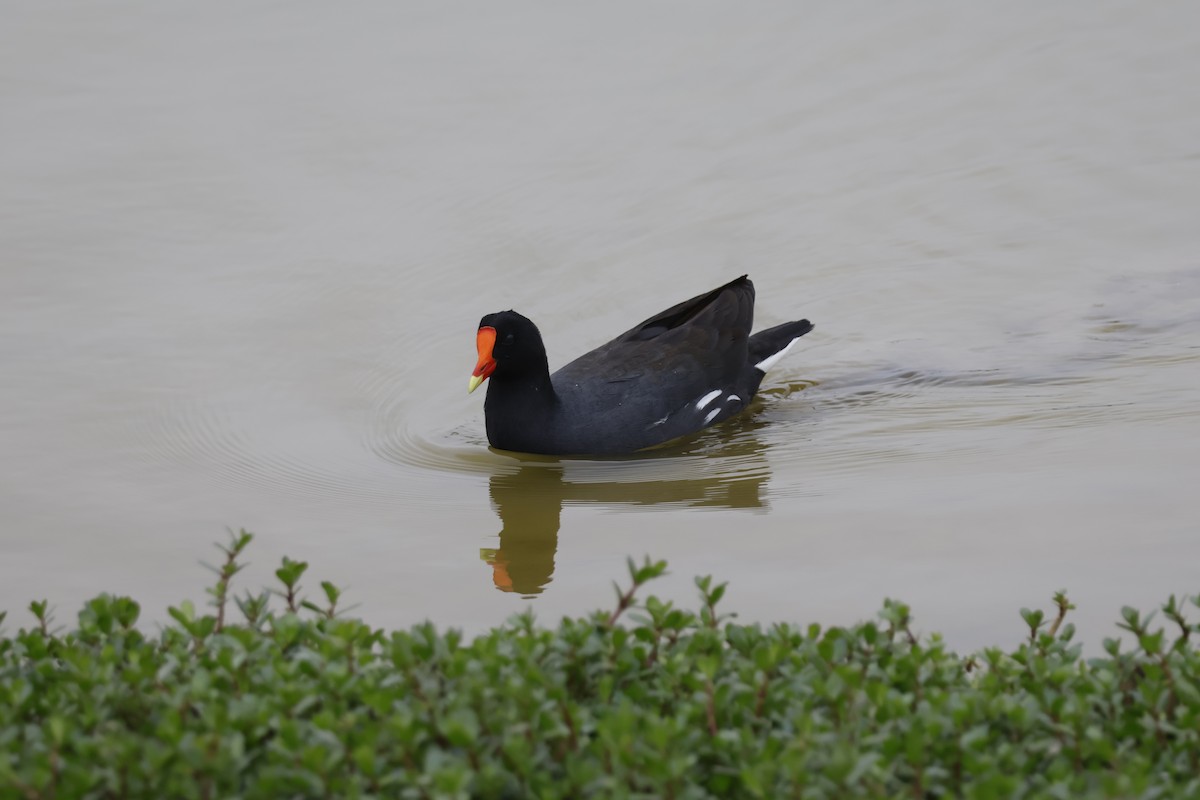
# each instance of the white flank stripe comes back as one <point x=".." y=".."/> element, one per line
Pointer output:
<point x="769" y="361"/>
<point x="708" y="398"/>
<point x="711" y="415"/>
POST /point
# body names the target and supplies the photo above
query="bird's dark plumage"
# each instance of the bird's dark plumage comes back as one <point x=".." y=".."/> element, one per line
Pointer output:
<point x="691" y="366"/>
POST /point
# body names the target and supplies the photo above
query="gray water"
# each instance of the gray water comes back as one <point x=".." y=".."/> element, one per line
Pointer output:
<point x="243" y="252"/>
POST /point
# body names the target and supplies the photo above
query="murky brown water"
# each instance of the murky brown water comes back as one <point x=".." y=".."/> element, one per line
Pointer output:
<point x="243" y="256"/>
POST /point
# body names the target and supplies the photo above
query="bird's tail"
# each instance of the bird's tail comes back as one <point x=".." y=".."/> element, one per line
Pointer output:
<point x="767" y="347"/>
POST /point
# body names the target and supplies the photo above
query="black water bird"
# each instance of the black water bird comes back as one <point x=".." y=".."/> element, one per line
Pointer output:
<point x="694" y="365"/>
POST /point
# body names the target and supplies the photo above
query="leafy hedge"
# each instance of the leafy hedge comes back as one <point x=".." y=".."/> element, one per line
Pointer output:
<point x="645" y="700"/>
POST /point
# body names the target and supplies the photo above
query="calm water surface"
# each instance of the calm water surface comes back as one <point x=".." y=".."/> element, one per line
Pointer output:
<point x="242" y="258"/>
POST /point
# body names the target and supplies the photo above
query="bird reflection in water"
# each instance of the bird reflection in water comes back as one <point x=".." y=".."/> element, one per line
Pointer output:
<point x="727" y="465"/>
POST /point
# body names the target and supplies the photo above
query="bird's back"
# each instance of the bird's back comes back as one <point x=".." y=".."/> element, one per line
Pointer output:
<point x="633" y="392"/>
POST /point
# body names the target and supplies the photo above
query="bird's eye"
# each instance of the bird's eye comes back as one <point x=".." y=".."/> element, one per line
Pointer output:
<point x="508" y="338"/>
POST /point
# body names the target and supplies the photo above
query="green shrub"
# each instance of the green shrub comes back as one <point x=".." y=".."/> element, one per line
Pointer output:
<point x="646" y="700"/>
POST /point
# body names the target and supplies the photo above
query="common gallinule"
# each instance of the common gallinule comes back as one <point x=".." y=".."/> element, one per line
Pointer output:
<point x="689" y="367"/>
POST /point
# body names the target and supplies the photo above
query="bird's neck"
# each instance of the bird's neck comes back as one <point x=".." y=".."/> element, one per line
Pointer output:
<point x="524" y="391"/>
<point x="520" y="408"/>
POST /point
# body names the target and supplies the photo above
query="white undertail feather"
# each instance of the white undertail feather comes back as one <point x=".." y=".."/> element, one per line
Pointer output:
<point x="708" y="398"/>
<point x="770" y="360"/>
